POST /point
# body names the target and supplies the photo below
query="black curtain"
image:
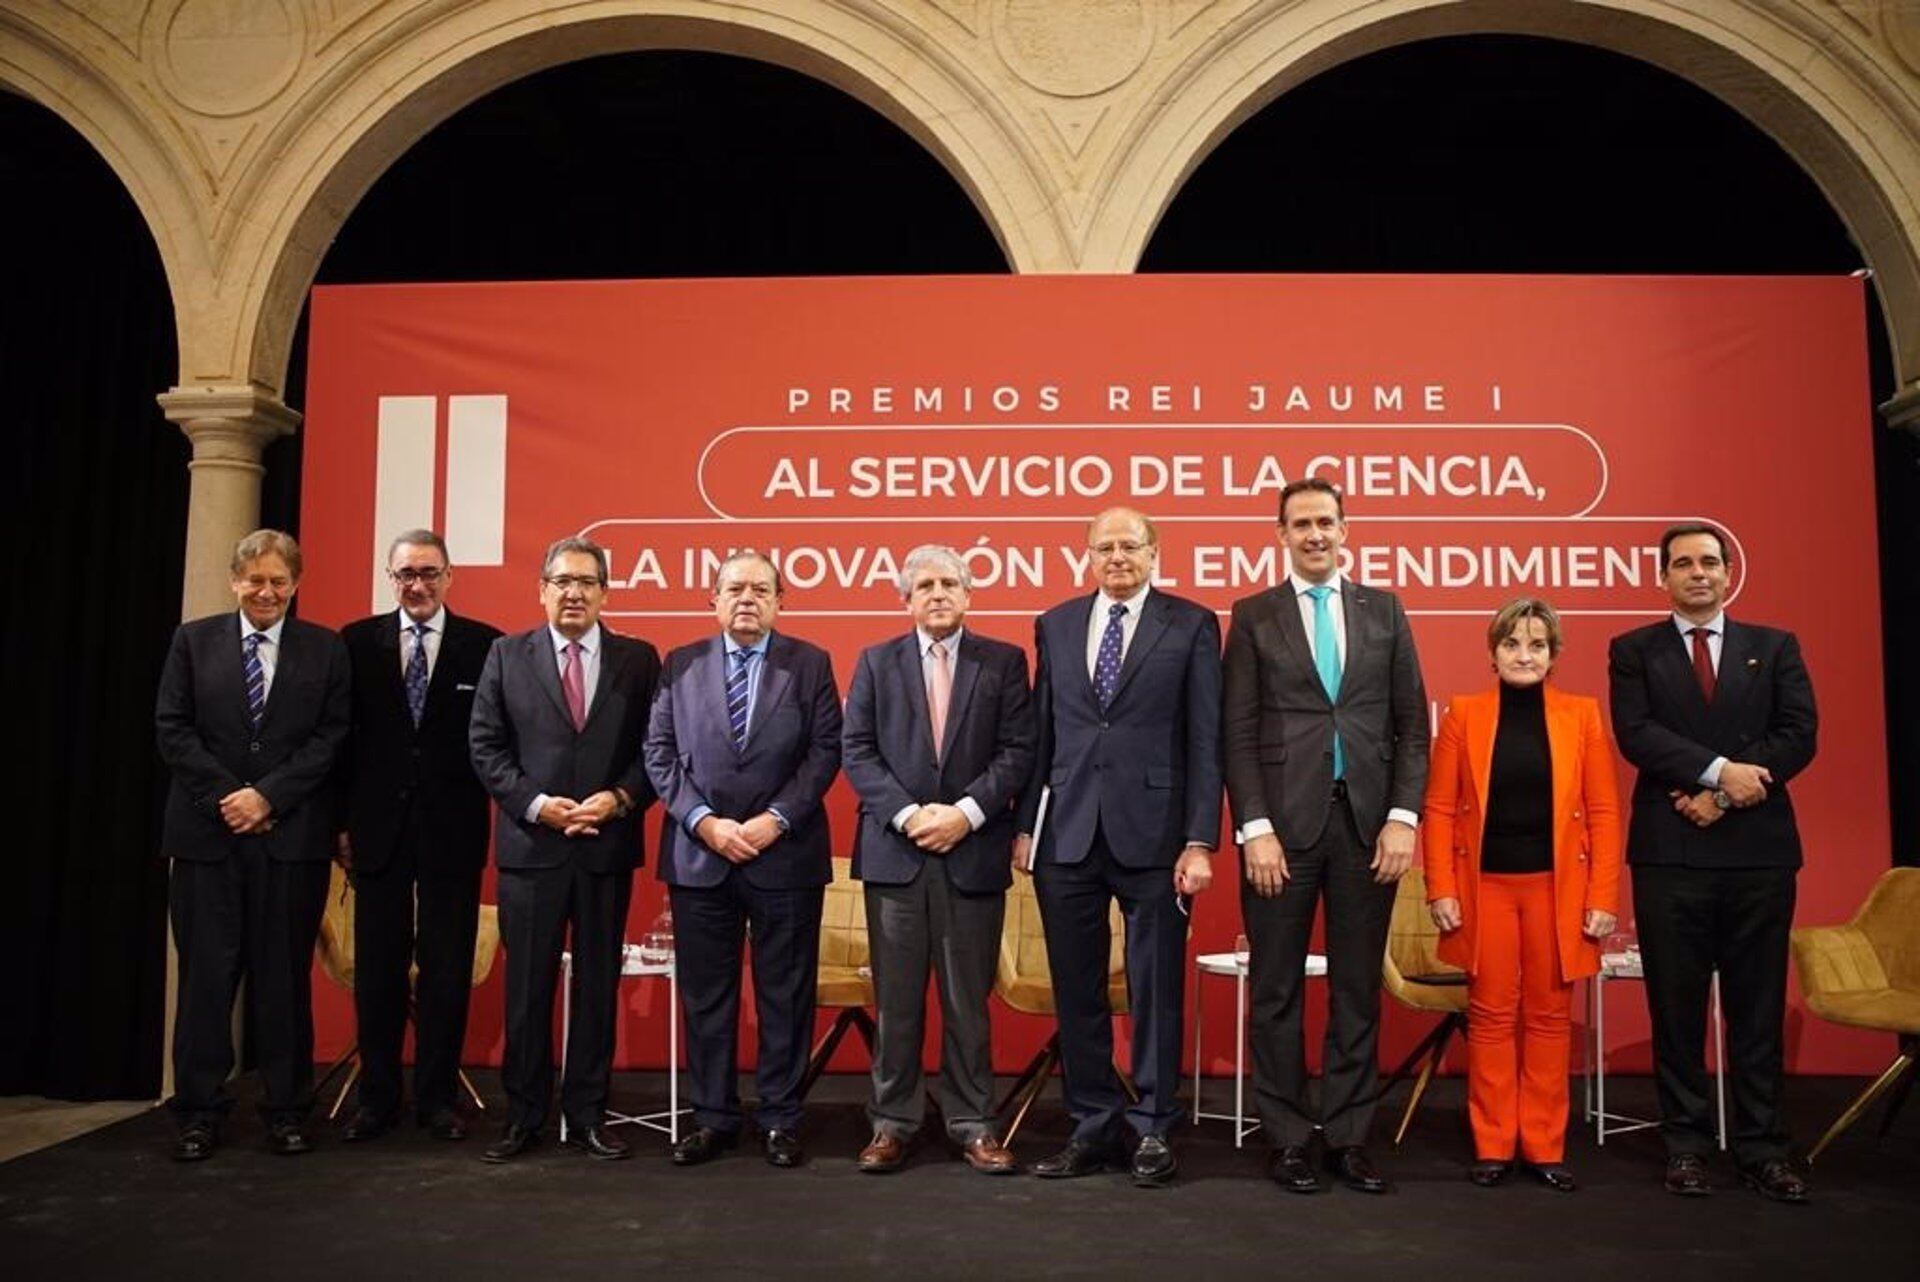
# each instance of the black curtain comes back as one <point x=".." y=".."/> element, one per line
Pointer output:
<point x="1518" y="154"/>
<point x="95" y="500"/>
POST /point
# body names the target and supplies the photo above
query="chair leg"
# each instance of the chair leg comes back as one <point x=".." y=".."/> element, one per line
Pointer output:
<point x="353" y="1075"/>
<point x="849" y="1017"/>
<point x="1040" y="1070"/>
<point x="479" y="1104"/>
<point x="1441" y="1038"/>
<point x="1041" y="1064"/>
<point x="1865" y="1099"/>
<point x="1909" y="1046"/>
<point x="1437" y="1035"/>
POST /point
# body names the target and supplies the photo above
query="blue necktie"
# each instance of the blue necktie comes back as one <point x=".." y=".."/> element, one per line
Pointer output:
<point x="256" y="680"/>
<point x="417" y="674"/>
<point x="1106" y="664"/>
<point x="737" y="697"/>
<point x="1326" y="659"/>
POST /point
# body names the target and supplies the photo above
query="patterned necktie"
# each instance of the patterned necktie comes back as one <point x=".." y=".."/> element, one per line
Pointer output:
<point x="1106" y="664"/>
<point x="256" y="680"/>
<point x="1703" y="661"/>
<point x="573" y="680"/>
<point x="737" y="697"/>
<point x="1326" y="660"/>
<point x="939" y="693"/>
<point x="416" y="678"/>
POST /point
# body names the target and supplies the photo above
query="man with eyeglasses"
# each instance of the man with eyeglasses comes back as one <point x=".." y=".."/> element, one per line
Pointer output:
<point x="1124" y="804"/>
<point x="743" y="744"/>
<point x="414" y="837"/>
<point x="251" y="712"/>
<point x="556" y="732"/>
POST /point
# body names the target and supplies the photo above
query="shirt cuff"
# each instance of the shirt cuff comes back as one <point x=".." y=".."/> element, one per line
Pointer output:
<point x="971" y="809"/>
<point x="533" y="811"/>
<point x="780" y="819"/>
<point x="694" y="816"/>
<point x="1253" y="828"/>
<point x="1710" y="777"/>
<point x="1408" y="817"/>
<point x="900" y="817"/>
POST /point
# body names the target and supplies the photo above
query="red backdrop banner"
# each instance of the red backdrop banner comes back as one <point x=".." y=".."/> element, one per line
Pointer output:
<point x="1495" y="436"/>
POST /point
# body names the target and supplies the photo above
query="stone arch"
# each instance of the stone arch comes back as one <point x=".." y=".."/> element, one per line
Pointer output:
<point x="1827" y="102"/>
<point x="332" y="148"/>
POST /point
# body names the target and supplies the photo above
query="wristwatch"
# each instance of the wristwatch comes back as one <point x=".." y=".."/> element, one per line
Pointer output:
<point x="1721" y="799"/>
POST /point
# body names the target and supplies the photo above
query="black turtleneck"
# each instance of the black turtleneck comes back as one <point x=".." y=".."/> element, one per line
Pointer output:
<point x="1519" y="836"/>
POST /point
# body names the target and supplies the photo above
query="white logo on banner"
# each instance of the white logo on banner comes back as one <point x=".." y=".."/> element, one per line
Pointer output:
<point x="408" y="464"/>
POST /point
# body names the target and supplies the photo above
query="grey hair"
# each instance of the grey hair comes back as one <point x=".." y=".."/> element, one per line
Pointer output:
<point x="933" y="554"/>
<point x="422" y="538"/>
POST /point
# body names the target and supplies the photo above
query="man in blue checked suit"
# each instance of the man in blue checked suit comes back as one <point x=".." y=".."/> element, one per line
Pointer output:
<point x="742" y="745"/>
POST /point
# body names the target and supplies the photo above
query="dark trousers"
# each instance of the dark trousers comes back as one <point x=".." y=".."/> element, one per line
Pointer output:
<point x="911" y="929"/>
<point x="1074" y="906"/>
<point x="256" y="917"/>
<point x="1278" y="933"/>
<point x="404" y="914"/>
<point x="1692" y="921"/>
<point x="544" y="911"/>
<point x="710" y="925"/>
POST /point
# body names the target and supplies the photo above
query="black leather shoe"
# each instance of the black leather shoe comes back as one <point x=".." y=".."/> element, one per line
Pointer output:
<point x="196" y="1143"/>
<point x="1489" y="1173"/>
<point x="286" y="1139"/>
<point x="1687" y="1175"/>
<point x="1078" y="1158"/>
<point x="1776" y="1180"/>
<point x="513" y="1141"/>
<point x="1292" y="1169"/>
<point x="702" y="1144"/>
<point x="783" y="1149"/>
<point x="598" y="1142"/>
<point x="365" y="1124"/>
<point x="1554" y="1176"/>
<point x="1353" y="1168"/>
<point x="1153" y="1163"/>
<point x="446" y="1125"/>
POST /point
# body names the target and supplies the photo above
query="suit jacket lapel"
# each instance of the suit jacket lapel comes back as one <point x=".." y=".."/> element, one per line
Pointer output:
<point x="292" y="656"/>
<point x="386" y="640"/>
<point x="1730" y="682"/>
<point x="611" y="657"/>
<point x="1146" y="635"/>
<point x="1286" y="617"/>
<point x="1563" y="751"/>
<point x="774" y="680"/>
<point x="1673" y="654"/>
<point x="907" y="665"/>
<point x="546" y="670"/>
<point x="230" y="656"/>
<point x="966" y="674"/>
<point x="1480" y="735"/>
<point x="1072" y="648"/>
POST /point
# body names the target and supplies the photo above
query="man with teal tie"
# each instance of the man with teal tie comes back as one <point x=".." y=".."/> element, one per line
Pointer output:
<point x="1325" y="731"/>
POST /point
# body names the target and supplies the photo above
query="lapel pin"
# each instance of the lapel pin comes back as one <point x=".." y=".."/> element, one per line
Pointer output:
<point x="1753" y="665"/>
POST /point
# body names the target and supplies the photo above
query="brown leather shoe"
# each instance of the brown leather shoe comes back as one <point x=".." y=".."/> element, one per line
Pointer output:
<point x="989" y="1156"/>
<point x="883" y="1153"/>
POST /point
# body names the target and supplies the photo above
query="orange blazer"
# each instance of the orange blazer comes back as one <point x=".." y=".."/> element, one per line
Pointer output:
<point x="1586" y="821"/>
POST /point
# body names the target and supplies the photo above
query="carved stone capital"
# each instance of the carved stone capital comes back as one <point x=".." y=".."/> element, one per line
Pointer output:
<point x="229" y="426"/>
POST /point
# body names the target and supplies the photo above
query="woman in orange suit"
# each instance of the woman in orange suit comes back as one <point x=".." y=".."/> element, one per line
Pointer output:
<point x="1523" y="879"/>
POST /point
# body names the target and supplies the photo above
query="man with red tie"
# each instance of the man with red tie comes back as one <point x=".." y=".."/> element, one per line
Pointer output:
<point x="1717" y="716"/>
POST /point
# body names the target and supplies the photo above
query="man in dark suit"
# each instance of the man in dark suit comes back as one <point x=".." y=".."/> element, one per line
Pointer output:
<point x="938" y="744"/>
<point x="251" y="712"/>
<point x="1326" y="743"/>
<point x="1717" y="716"/>
<point x="415" y="836"/>
<point x="744" y="741"/>
<point x="1124" y="804"/>
<point x="555" y="737"/>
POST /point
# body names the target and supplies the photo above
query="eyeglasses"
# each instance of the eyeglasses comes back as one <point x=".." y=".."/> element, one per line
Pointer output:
<point x="569" y="582"/>
<point x="429" y="576"/>
<point x="1125" y="548"/>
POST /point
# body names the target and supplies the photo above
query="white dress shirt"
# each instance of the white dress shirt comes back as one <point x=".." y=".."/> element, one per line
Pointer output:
<point x="1129" y="623"/>
<point x="436" y="631"/>
<point x="268" y="651"/>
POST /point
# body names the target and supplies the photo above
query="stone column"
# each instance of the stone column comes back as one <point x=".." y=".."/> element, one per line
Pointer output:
<point x="229" y="427"/>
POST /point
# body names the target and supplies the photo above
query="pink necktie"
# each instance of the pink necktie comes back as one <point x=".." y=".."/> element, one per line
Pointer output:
<point x="573" y="680"/>
<point x="939" y="693"/>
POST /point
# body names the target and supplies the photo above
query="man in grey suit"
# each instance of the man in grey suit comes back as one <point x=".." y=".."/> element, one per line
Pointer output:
<point x="557" y="726"/>
<point x="938" y="744"/>
<point x="1326" y="763"/>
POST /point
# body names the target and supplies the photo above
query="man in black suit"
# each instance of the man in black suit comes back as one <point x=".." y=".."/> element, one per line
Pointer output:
<point x="1326" y="743"/>
<point x="938" y="744"/>
<point x="415" y="836"/>
<point x="555" y="738"/>
<point x="251" y="713"/>
<point x="744" y="741"/>
<point x="1124" y="804"/>
<point x="1717" y="716"/>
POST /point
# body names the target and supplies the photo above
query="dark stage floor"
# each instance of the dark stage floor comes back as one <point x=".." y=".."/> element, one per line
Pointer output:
<point x="111" y="1204"/>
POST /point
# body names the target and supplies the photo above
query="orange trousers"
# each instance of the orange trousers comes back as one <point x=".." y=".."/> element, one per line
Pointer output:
<point x="1519" y="1025"/>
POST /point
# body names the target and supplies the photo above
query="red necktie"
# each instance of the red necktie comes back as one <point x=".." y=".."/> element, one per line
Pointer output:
<point x="573" y="680"/>
<point x="1702" y="662"/>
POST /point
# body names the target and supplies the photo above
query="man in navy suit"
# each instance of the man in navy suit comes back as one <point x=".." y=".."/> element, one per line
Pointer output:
<point x="251" y="712"/>
<point x="1717" y="716"/>
<point x="939" y="743"/>
<point x="743" y="743"/>
<point x="555" y="738"/>
<point x="415" y="836"/>
<point x="1124" y="804"/>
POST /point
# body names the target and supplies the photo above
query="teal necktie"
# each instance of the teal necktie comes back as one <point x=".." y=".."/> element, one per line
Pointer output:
<point x="1326" y="658"/>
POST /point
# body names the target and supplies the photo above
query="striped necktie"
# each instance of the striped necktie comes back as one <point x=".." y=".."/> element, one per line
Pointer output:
<point x="737" y="697"/>
<point x="256" y="680"/>
<point x="416" y="679"/>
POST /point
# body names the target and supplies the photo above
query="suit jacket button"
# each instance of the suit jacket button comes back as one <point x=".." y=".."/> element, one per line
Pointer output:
<point x="1576" y="814"/>
<point x="1103" y="725"/>
<point x="254" y="746"/>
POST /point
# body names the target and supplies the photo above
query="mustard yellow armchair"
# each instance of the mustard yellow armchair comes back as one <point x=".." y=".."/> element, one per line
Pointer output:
<point x="845" y="982"/>
<point x="1413" y="975"/>
<point x="1867" y="974"/>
